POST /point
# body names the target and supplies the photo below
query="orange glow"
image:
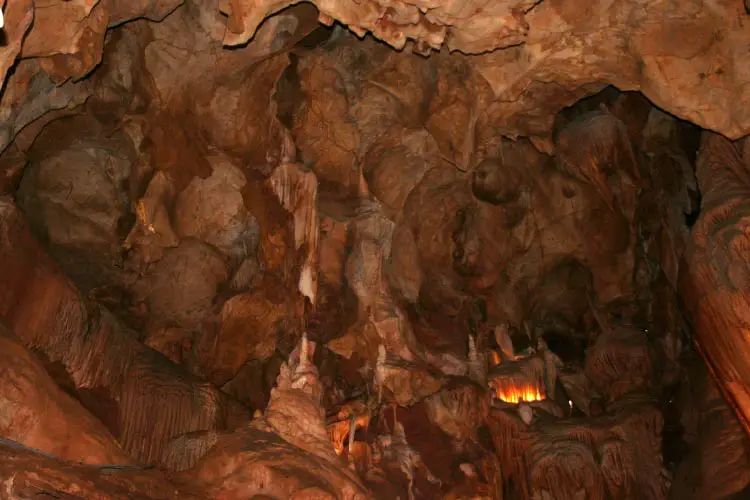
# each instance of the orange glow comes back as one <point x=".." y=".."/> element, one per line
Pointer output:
<point x="514" y="394"/>
<point x="339" y="431"/>
<point x="494" y="358"/>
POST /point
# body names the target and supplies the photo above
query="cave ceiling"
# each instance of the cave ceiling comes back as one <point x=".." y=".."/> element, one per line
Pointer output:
<point x="531" y="58"/>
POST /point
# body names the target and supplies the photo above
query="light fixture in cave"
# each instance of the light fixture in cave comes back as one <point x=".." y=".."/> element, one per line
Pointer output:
<point x="515" y="393"/>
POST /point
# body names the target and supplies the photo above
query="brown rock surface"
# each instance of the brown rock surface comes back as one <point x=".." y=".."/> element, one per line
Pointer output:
<point x="213" y="211"/>
<point x="198" y="269"/>
<point x="74" y="200"/>
<point x="544" y="42"/>
<point x="38" y="414"/>
<point x="288" y="454"/>
<point x="594" y="465"/>
<point x="255" y="461"/>
<point x="714" y="280"/>
<point x="561" y="51"/>
<point x="469" y="267"/>
<point x="26" y="474"/>
<point x="249" y="323"/>
<point x="719" y="464"/>
<point x="123" y="382"/>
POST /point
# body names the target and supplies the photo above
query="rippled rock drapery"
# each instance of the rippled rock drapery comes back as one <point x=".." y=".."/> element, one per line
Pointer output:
<point x="121" y="381"/>
<point x="720" y="464"/>
<point x="36" y="413"/>
<point x="714" y="280"/>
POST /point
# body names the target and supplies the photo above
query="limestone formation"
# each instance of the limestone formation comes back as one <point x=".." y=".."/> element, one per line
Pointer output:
<point x="248" y="250"/>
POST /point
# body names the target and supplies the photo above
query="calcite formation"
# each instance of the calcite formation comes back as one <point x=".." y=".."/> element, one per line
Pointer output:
<point x="249" y="251"/>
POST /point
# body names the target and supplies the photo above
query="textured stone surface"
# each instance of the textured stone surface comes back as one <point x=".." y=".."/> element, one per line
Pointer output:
<point x="559" y="51"/>
<point x="715" y="281"/>
<point x="142" y="397"/>
<point x="36" y="413"/>
<point x="553" y="52"/>
<point x="427" y="277"/>
<point x="26" y="474"/>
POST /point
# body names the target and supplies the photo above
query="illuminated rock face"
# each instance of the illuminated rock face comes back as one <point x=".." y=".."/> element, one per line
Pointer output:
<point x="313" y="266"/>
<point x="513" y="393"/>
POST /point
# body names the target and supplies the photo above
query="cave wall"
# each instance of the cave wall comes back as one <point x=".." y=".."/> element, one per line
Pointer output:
<point x="181" y="206"/>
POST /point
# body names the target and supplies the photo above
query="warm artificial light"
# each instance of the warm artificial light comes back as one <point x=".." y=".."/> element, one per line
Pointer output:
<point x="341" y="430"/>
<point x="515" y="394"/>
<point x="495" y="358"/>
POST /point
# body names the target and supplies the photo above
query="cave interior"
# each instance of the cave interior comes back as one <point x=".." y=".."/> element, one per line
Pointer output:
<point x="388" y="249"/>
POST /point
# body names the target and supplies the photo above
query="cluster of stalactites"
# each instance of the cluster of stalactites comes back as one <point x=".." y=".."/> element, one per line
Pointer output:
<point x="297" y="191"/>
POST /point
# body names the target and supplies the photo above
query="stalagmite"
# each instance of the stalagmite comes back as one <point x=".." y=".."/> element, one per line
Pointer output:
<point x="380" y="372"/>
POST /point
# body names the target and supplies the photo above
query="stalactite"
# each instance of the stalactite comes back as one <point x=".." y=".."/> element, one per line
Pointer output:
<point x="352" y="433"/>
<point x="552" y="364"/>
<point x="372" y="234"/>
<point x="607" y="143"/>
<point x="297" y="191"/>
<point x="519" y="389"/>
<point x="504" y="342"/>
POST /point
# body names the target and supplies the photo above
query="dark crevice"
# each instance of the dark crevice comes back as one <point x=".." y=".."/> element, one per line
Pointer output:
<point x="695" y="202"/>
<point x="288" y="93"/>
<point x="318" y="37"/>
